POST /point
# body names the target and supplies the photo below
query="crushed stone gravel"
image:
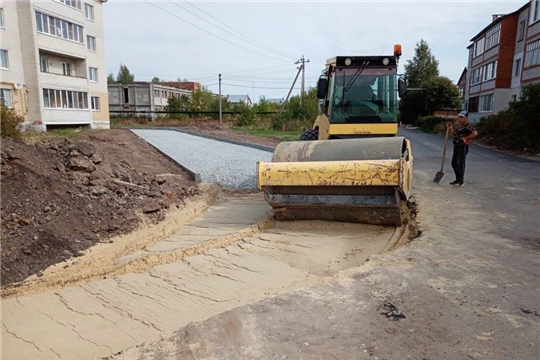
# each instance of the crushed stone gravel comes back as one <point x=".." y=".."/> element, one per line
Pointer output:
<point x="231" y="166"/>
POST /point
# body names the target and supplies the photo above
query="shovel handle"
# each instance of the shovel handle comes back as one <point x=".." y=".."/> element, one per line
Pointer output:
<point x="444" y="149"/>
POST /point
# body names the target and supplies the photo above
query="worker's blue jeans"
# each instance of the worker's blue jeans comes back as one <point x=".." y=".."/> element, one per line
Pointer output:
<point x="458" y="161"/>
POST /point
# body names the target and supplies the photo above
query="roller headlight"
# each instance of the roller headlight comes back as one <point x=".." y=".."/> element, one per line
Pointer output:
<point x="386" y="61"/>
<point x="348" y="61"/>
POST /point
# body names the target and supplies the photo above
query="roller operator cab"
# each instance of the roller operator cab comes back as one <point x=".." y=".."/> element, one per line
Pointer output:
<point x="358" y="98"/>
<point x="354" y="168"/>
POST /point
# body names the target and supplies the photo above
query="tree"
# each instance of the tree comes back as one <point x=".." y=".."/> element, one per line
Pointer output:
<point x="203" y="100"/>
<point x="441" y="94"/>
<point x="177" y="104"/>
<point x="155" y="79"/>
<point x="422" y="67"/>
<point x="110" y="79"/>
<point x="418" y="71"/>
<point x="124" y="76"/>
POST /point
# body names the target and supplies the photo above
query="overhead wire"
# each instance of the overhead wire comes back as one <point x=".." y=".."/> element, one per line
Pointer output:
<point x="249" y="41"/>
<point x="208" y="32"/>
<point x="208" y="75"/>
<point x="268" y="81"/>
<point x="259" y="87"/>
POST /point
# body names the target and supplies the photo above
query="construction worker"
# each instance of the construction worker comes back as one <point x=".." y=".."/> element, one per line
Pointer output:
<point x="463" y="134"/>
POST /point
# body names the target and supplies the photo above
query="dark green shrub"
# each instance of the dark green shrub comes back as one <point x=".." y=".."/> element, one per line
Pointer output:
<point x="517" y="127"/>
<point x="278" y="121"/>
<point x="429" y="123"/>
<point x="246" y="115"/>
<point x="10" y="122"/>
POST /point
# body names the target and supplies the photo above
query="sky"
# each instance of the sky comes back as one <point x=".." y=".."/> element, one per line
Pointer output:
<point x="255" y="44"/>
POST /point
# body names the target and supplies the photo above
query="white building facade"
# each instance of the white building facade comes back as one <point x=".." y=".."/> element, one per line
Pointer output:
<point x="55" y="53"/>
<point x="142" y="98"/>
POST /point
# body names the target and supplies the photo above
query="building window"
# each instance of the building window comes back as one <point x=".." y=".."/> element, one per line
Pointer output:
<point x="60" y="28"/>
<point x="486" y="103"/>
<point x="4" y="63"/>
<point x="490" y="70"/>
<point x="89" y="12"/>
<point x="517" y="67"/>
<point x="473" y="104"/>
<point x="478" y="47"/>
<point x="514" y="97"/>
<point x="64" y="99"/>
<point x="73" y="3"/>
<point x="493" y="35"/>
<point x="532" y="54"/>
<point x="5" y="98"/>
<point x="476" y="76"/>
<point x="43" y="64"/>
<point x="91" y="42"/>
<point x="66" y="68"/>
<point x="1" y="18"/>
<point x="535" y="10"/>
<point x="521" y="31"/>
<point x="92" y="74"/>
<point x="95" y="103"/>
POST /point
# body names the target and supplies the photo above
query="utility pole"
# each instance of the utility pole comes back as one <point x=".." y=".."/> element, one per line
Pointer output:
<point x="220" y="117"/>
<point x="303" y="69"/>
<point x="289" y="94"/>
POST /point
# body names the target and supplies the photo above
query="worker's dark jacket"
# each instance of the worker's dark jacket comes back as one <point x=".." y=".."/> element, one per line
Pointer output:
<point x="462" y="131"/>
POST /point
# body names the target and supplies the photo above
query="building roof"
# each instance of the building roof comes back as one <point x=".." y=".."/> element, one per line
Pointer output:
<point x="238" y="98"/>
<point x="496" y="21"/>
<point x="276" y="101"/>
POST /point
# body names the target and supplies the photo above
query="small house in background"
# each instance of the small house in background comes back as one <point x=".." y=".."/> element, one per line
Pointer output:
<point x="276" y="101"/>
<point x="239" y="99"/>
<point x="462" y="85"/>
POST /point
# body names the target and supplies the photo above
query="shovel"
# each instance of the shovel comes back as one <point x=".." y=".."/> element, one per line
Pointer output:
<point x="440" y="174"/>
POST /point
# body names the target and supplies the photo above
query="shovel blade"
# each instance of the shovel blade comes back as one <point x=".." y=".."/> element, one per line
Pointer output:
<point x="438" y="176"/>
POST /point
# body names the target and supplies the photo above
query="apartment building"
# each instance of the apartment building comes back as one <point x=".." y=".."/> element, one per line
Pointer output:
<point x="503" y="57"/>
<point x="142" y="97"/>
<point x="53" y="69"/>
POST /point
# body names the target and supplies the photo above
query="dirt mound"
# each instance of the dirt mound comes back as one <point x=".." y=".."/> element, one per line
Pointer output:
<point x="61" y="196"/>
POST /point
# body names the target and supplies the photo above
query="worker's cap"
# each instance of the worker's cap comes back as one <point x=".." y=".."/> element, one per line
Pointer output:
<point x="463" y="114"/>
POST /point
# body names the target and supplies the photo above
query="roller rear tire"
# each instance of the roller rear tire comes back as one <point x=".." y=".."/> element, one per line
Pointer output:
<point x="309" y="135"/>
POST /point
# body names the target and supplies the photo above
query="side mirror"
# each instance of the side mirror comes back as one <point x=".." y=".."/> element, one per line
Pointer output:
<point x="402" y="87"/>
<point x="322" y="87"/>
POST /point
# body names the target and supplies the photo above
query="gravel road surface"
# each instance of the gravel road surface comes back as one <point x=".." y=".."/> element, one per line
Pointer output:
<point x="228" y="165"/>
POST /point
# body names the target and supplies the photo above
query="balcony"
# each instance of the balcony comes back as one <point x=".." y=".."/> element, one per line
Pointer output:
<point x="61" y="81"/>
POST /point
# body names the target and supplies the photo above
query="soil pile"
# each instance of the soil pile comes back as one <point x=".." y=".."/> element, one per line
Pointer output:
<point x="62" y="196"/>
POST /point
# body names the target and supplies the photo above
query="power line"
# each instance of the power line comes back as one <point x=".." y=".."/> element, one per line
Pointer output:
<point x="208" y="32"/>
<point x="266" y="80"/>
<point x="212" y="74"/>
<point x="250" y="70"/>
<point x="257" y="87"/>
<point x="249" y="41"/>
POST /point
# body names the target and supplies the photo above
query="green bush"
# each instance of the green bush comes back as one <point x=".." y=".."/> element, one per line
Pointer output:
<point x="429" y="123"/>
<point x="278" y="121"/>
<point x="517" y="127"/>
<point x="10" y="123"/>
<point x="247" y="115"/>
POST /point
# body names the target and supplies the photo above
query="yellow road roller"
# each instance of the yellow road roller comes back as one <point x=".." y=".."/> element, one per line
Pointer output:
<point x="350" y="166"/>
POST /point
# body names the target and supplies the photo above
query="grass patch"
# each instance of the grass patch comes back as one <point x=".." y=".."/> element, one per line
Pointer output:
<point x="269" y="133"/>
<point x="33" y="136"/>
